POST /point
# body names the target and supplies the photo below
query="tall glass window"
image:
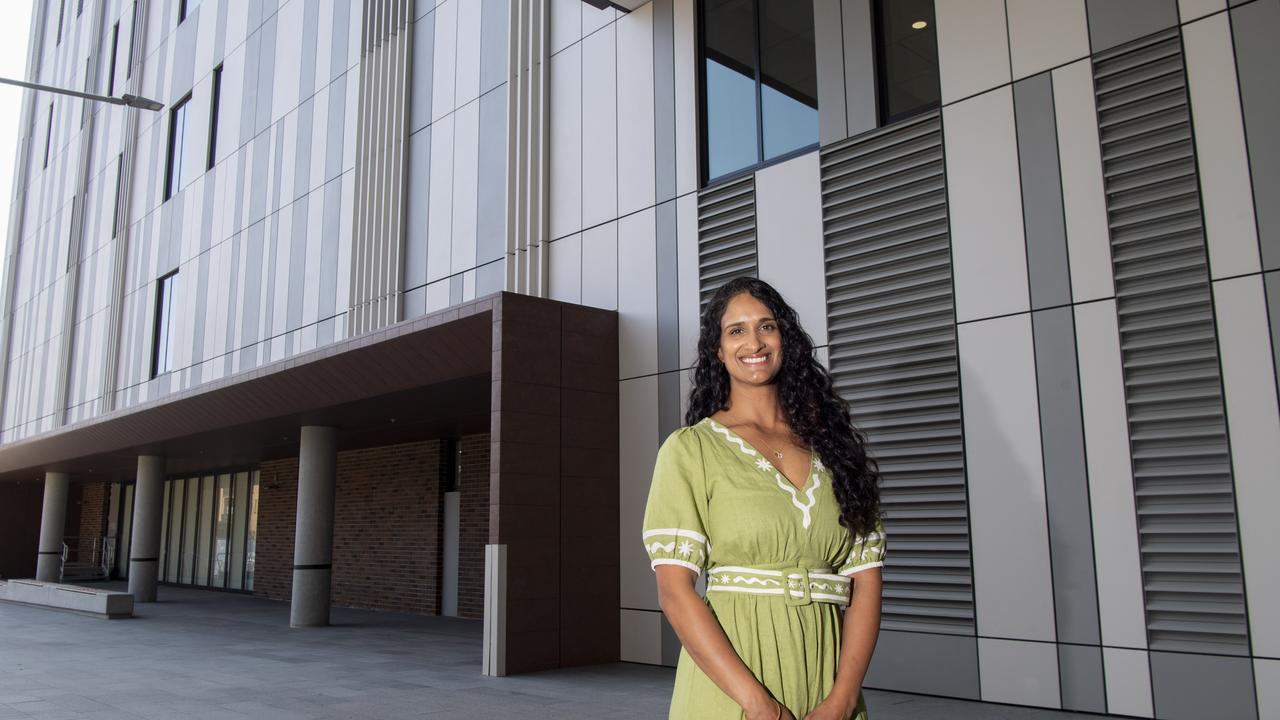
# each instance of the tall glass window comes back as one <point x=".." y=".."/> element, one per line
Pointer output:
<point x="208" y="530"/>
<point x="162" y="340"/>
<point x="759" y="83"/>
<point x="907" y="54"/>
<point x="177" y="147"/>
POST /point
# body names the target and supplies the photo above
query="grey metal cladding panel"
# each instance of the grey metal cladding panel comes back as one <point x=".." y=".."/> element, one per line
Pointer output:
<point x="310" y="31"/>
<point x="1042" y="212"/>
<point x="491" y="224"/>
<point x="859" y="67"/>
<point x="669" y="416"/>
<point x="1186" y="686"/>
<point x="893" y="357"/>
<point x="829" y="45"/>
<point x="494" y="19"/>
<point x="1081" y="676"/>
<point x="266" y="74"/>
<point x="424" y="40"/>
<point x="419" y="191"/>
<point x="925" y="663"/>
<point x="664" y="99"/>
<point x="1188" y="542"/>
<point x="726" y="234"/>
<point x="1255" y="28"/>
<point x="1066" y="477"/>
<point x="1113" y="23"/>
<point x="668" y="290"/>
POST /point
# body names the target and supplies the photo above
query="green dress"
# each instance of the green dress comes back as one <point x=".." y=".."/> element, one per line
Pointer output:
<point x="718" y="506"/>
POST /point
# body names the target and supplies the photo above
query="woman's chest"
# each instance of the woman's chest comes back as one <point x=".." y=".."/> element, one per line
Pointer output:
<point x="757" y="516"/>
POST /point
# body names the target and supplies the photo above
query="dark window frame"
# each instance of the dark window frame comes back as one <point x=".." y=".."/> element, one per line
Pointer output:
<point x="184" y="9"/>
<point x="115" y="213"/>
<point x="704" y="170"/>
<point x="133" y="34"/>
<point x="62" y="10"/>
<point x="215" y="102"/>
<point x="48" y="135"/>
<point x="163" y="310"/>
<point x="172" y="152"/>
<point x="111" y="68"/>
<point x="879" y="41"/>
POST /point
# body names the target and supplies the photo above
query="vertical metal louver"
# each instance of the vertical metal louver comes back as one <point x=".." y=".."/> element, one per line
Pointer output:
<point x="381" y="165"/>
<point x="891" y="324"/>
<point x="1181" y="461"/>
<point x="726" y="234"/>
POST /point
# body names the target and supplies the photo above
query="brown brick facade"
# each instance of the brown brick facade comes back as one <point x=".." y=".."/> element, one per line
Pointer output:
<point x="387" y="527"/>
<point x="473" y="525"/>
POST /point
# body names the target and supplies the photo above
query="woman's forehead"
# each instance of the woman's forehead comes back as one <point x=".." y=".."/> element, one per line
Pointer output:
<point x="744" y="308"/>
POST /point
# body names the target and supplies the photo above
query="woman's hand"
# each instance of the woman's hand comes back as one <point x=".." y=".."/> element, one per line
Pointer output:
<point x="772" y="711"/>
<point x="833" y="708"/>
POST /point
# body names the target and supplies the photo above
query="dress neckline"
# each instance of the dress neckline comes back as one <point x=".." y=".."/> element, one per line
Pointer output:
<point x="761" y="461"/>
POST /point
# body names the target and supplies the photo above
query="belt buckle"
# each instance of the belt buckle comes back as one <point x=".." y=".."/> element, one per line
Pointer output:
<point x="803" y="579"/>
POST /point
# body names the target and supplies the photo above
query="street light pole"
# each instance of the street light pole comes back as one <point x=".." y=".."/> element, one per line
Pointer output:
<point x="127" y="100"/>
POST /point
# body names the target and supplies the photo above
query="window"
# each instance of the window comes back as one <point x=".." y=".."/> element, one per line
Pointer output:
<point x="133" y="32"/>
<point x="115" y="213"/>
<point x="177" y="147"/>
<point x="48" y="136"/>
<point x="208" y="530"/>
<point x="163" y="337"/>
<point x="111" y="69"/>
<point x="185" y="8"/>
<point x="907" y="56"/>
<point x="213" y="118"/>
<point x="62" y="9"/>
<point x="79" y="7"/>
<point x="759" y="83"/>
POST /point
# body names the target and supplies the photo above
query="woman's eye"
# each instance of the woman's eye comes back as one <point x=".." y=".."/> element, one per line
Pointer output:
<point x="768" y="326"/>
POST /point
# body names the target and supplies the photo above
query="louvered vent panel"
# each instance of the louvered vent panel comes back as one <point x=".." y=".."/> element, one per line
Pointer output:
<point x="891" y="323"/>
<point x="726" y="234"/>
<point x="1181" y="461"/>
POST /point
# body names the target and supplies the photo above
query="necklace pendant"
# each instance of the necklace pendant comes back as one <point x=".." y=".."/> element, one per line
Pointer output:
<point x="777" y="454"/>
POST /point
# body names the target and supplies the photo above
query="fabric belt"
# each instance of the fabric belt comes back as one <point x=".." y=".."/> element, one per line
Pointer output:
<point x="796" y="586"/>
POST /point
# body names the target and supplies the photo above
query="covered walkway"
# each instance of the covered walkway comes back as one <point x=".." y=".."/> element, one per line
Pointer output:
<point x="201" y="654"/>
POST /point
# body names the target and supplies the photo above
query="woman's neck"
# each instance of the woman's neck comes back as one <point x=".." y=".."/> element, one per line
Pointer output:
<point x="754" y="405"/>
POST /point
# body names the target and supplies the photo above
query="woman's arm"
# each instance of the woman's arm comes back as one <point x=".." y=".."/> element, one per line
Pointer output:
<point x="705" y="641"/>
<point x="858" y="642"/>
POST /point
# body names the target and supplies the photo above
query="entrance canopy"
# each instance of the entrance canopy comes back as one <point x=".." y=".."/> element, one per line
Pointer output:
<point x="540" y="376"/>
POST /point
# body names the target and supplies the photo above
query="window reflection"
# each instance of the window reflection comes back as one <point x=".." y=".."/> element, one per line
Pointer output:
<point x="730" y="85"/>
<point x="788" y="77"/>
<point x="907" y="45"/>
<point x="760" y="98"/>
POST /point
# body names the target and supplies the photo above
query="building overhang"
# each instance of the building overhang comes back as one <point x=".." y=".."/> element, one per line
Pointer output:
<point x="428" y="376"/>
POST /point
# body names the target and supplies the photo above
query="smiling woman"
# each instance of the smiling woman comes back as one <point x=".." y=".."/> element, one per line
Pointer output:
<point x="769" y="491"/>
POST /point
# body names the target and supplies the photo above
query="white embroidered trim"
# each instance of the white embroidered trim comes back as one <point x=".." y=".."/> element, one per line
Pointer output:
<point x="671" y="561"/>
<point x="795" y="500"/>
<point x="676" y="532"/>
<point x="860" y="568"/>
<point x="731" y="437"/>
<point x="754" y="591"/>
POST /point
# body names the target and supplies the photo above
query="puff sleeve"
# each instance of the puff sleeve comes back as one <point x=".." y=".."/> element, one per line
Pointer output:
<point x="674" y="530"/>
<point x="867" y="552"/>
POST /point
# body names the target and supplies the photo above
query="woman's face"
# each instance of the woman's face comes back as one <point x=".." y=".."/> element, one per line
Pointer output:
<point x="750" y="341"/>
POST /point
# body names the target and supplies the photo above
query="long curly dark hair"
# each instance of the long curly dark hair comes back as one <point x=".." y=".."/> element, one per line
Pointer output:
<point x="818" y="416"/>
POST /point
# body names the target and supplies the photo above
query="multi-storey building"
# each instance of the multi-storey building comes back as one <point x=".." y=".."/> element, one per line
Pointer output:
<point x="393" y="302"/>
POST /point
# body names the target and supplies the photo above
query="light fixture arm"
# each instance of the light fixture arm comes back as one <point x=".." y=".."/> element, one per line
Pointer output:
<point x="127" y="100"/>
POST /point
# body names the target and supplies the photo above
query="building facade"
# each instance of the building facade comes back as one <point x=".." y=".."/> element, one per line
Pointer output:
<point x="1035" y="243"/>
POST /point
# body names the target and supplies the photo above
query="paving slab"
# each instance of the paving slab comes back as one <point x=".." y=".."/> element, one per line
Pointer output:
<point x="207" y="655"/>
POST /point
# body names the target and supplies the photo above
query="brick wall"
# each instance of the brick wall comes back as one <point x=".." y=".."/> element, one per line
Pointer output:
<point x="473" y="525"/>
<point x="95" y="499"/>
<point x="387" y="527"/>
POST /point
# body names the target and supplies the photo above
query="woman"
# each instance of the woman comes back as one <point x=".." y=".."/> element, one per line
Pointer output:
<point x="769" y="490"/>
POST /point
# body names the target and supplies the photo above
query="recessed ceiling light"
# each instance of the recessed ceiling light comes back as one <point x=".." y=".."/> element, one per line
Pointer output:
<point x="919" y="25"/>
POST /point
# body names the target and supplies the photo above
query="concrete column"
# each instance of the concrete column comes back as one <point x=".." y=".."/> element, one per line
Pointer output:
<point x="313" y="539"/>
<point x="52" y="520"/>
<point x="144" y="546"/>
